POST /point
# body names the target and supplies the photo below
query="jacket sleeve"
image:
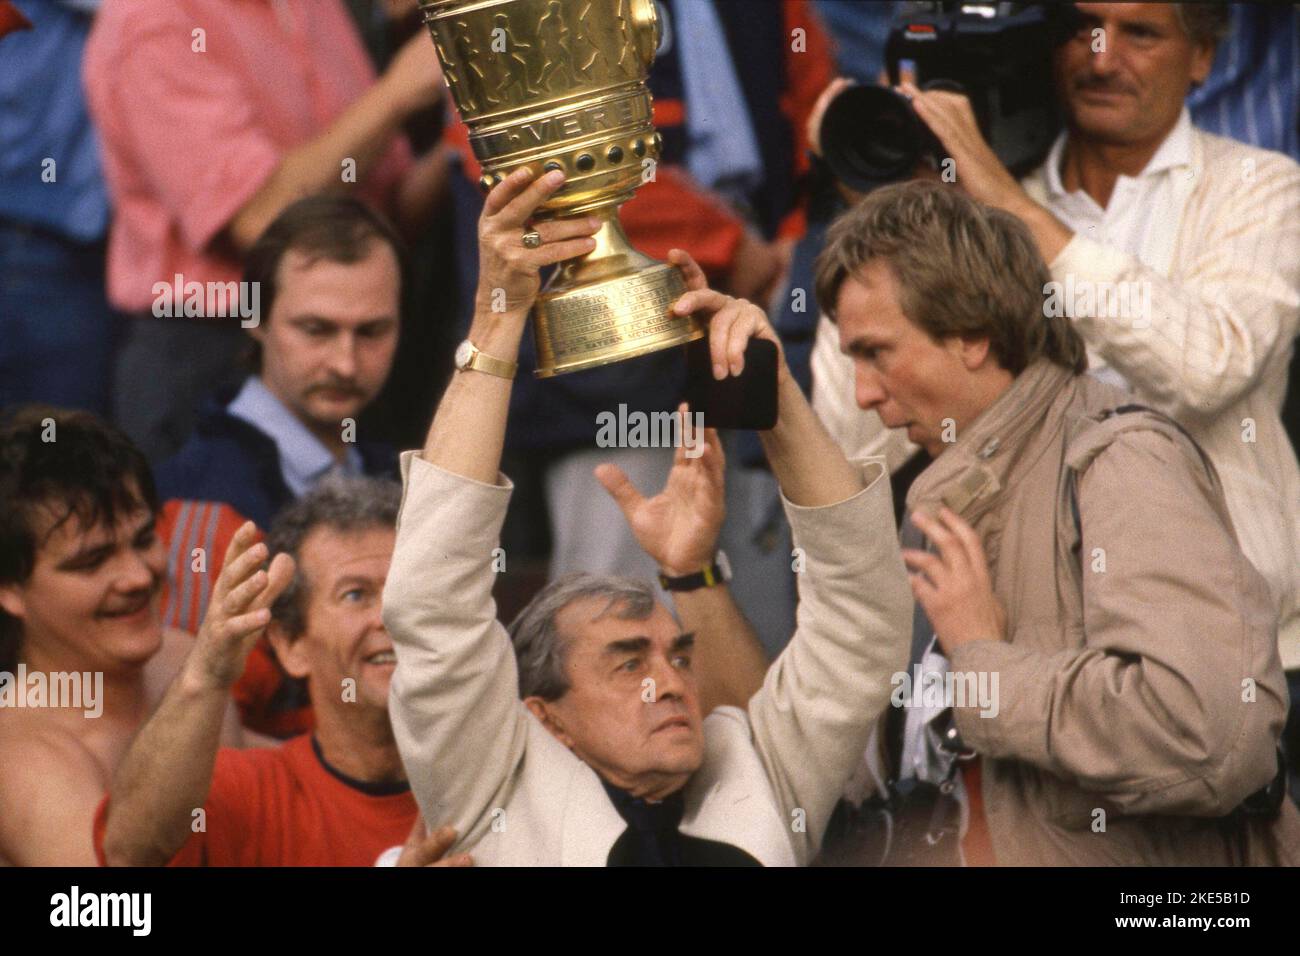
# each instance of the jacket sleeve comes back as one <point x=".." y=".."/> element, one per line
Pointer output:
<point x="1226" y="315"/>
<point x="1174" y="699"/>
<point x="454" y="700"/>
<point x="813" y="715"/>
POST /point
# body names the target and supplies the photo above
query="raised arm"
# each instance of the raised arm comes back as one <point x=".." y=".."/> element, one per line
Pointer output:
<point x="812" y="717"/>
<point x="469" y="427"/>
<point x="362" y="133"/>
<point x="455" y="703"/>
<point x="168" y="769"/>
<point x="1223" y="319"/>
<point x="808" y="464"/>
<point x="679" y="528"/>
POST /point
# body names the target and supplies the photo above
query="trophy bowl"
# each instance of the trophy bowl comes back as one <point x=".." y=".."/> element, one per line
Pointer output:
<point x="561" y="84"/>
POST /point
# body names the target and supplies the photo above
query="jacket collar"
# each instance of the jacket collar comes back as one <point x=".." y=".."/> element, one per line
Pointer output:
<point x="214" y="420"/>
<point x="971" y="476"/>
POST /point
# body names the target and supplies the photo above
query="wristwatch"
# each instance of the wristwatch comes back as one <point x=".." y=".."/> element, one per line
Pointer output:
<point x="711" y="575"/>
<point x="469" y="358"/>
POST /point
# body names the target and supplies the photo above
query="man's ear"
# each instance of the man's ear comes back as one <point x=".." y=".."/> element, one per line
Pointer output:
<point x="288" y="651"/>
<point x="11" y="601"/>
<point x="1202" y="63"/>
<point x="974" y="353"/>
<point x="545" y="712"/>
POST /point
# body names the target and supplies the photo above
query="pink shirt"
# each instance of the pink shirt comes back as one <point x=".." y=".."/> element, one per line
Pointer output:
<point x="188" y="137"/>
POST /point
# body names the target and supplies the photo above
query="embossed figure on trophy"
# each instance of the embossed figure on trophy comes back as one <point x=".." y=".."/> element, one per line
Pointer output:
<point x="554" y="35"/>
<point x="467" y="54"/>
<point x="626" y="44"/>
<point x="451" y="73"/>
<point x="520" y="74"/>
<point x="585" y="43"/>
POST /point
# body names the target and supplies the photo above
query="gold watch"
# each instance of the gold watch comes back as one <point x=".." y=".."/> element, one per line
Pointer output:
<point x="468" y="357"/>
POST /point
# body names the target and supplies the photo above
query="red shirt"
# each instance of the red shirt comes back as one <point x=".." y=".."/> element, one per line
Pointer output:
<point x="281" y="807"/>
<point x="977" y="844"/>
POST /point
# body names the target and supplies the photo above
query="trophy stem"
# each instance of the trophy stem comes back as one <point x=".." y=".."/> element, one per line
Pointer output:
<point x="613" y="256"/>
<point x="611" y="304"/>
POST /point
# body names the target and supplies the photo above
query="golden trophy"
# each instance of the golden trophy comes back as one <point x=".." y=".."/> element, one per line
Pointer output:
<point x="561" y="84"/>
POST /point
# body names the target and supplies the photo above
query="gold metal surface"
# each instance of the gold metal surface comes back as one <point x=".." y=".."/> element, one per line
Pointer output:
<point x="561" y="83"/>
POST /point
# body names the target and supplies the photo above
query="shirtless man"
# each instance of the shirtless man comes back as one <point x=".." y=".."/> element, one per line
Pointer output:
<point x="80" y="572"/>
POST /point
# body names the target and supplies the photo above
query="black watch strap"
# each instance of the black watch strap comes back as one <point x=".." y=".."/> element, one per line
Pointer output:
<point x="707" y="577"/>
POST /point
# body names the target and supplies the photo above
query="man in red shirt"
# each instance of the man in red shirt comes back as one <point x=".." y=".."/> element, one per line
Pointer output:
<point x="335" y="797"/>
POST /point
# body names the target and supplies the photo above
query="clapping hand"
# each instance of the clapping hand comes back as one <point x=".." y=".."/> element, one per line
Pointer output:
<point x="240" y="608"/>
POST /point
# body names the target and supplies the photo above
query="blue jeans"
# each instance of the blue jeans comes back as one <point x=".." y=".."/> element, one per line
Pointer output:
<point x="56" y="326"/>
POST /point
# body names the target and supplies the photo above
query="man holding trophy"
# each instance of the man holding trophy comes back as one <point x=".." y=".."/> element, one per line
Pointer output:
<point x="586" y="744"/>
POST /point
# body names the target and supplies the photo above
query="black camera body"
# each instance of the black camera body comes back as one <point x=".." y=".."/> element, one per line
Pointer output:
<point x="998" y="54"/>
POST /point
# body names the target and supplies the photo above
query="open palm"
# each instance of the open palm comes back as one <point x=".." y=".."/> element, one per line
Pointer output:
<point x="679" y="526"/>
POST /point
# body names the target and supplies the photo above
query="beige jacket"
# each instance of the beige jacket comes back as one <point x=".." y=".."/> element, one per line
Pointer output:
<point x="1224" y="281"/>
<point x="1140" y="687"/>
<point x="479" y="761"/>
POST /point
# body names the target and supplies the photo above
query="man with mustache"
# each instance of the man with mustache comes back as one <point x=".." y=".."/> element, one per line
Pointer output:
<point x="328" y="278"/>
<point x="1202" y="230"/>
<point x="80" y="572"/>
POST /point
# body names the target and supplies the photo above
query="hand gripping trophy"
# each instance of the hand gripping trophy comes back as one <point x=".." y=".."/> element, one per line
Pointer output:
<point x="561" y="84"/>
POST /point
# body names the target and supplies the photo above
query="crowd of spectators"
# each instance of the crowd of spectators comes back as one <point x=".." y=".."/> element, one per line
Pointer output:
<point x="239" y="242"/>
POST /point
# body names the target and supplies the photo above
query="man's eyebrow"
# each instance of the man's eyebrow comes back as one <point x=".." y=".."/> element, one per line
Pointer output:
<point x="1154" y="25"/>
<point x="684" y="642"/>
<point x="861" y="344"/>
<point x="88" y="555"/>
<point x="627" y="645"/>
<point x="354" y="579"/>
<point x="93" y="552"/>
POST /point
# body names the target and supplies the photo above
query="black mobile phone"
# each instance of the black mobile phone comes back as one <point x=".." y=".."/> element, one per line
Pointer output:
<point x="744" y="401"/>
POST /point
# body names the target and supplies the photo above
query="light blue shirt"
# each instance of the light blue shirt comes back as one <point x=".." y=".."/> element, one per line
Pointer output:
<point x="43" y="117"/>
<point x="304" y="459"/>
<point x="722" y="152"/>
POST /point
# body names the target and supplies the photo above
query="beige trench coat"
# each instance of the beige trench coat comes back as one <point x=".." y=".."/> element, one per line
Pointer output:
<point x="1141" y="694"/>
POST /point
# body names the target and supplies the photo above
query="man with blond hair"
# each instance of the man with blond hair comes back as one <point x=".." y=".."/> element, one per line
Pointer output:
<point x="1071" y="552"/>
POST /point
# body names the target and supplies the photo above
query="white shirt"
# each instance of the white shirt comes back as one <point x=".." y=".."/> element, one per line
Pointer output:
<point x="1211" y="229"/>
<point x="1142" y="216"/>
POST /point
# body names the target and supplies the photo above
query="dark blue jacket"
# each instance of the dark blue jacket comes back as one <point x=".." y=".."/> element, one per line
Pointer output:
<point x="226" y="459"/>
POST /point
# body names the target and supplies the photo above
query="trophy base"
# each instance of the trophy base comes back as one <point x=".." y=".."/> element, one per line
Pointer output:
<point x="610" y="305"/>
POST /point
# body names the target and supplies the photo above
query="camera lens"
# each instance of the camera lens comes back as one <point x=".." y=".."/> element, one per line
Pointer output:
<point x="871" y="136"/>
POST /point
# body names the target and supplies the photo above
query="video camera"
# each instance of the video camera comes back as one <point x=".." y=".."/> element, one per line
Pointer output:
<point x="998" y="54"/>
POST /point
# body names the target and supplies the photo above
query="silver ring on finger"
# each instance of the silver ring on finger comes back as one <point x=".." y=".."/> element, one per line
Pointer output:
<point x="532" y="239"/>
